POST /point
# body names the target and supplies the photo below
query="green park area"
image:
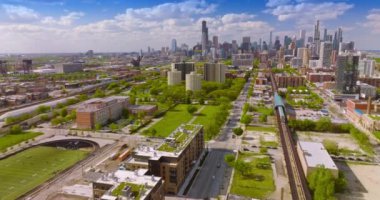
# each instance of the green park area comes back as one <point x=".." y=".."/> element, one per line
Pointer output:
<point x="170" y="121"/>
<point x="206" y="115"/>
<point x="253" y="176"/>
<point x="261" y="128"/>
<point x="26" y="170"/>
<point x="10" y="139"/>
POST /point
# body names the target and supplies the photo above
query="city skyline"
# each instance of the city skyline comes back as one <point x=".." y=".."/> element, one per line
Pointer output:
<point x="40" y="26"/>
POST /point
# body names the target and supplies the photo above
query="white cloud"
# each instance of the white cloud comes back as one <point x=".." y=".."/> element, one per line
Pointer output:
<point x="373" y="21"/>
<point x="274" y="3"/>
<point x="19" y="12"/>
<point x="135" y="28"/>
<point x="63" y="20"/>
<point x="307" y="13"/>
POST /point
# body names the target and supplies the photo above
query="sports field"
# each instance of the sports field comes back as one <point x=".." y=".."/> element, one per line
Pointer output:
<point x="13" y="139"/>
<point x="28" y="169"/>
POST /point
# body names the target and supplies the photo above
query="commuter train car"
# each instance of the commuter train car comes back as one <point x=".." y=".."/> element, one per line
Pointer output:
<point x="280" y="106"/>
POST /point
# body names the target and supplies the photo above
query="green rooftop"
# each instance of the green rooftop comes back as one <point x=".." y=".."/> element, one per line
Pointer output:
<point x="177" y="139"/>
<point x="136" y="189"/>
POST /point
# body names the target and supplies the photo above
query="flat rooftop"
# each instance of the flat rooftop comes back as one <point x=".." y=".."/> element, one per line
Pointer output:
<point x="316" y="154"/>
<point x="137" y="177"/>
<point x="173" y="144"/>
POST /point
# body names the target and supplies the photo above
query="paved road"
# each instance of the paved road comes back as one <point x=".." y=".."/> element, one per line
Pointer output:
<point x="210" y="179"/>
<point x="213" y="180"/>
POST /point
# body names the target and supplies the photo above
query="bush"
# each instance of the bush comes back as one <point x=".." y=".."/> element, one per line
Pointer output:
<point x="229" y="159"/>
<point x="191" y="109"/>
<point x="238" y="131"/>
<point x="331" y="146"/>
<point x="16" y="129"/>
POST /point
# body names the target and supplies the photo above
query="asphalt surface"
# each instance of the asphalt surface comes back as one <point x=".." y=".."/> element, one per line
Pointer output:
<point x="214" y="176"/>
<point x="210" y="180"/>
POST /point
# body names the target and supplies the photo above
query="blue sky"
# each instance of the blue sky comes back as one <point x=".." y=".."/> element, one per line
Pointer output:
<point x="28" y="26"/>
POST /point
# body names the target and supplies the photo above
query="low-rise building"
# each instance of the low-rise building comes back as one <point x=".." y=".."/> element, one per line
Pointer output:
<point x="100" y="111"/>
<point x="146" y="109"/>
<point x="173" y="159"/>
<point x="319" y="77"/>
<point x="370" y="81"/>
<point x="68" y="67"/>
<point x="125" y="184"/>
<point x="284" y="81"/>
<point x="313" y="155"/>
<point x="245" y="59"/>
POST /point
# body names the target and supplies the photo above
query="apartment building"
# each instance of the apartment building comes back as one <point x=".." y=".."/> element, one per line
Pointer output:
<point x="100" y="111"/>
<point x="173" y="159"/>
<point x="284" y="81"/>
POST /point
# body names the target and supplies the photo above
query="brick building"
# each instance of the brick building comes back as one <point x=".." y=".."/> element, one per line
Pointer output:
<point x="100" y="111"/>
<point x="319" y="77"/>
<point x="284" y="81"/>
<point x="173" y="159"/>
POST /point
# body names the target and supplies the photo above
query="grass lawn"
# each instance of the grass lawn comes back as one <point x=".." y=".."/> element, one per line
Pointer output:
<point x="171" y="120"/>
<point x="248" y="186"/>
<point x="206" y="115"/>
<point x="28" y="169"/>
<point x="261" y="128"/>
<point x="13" y="139"/>
<point x="377" y="134"/>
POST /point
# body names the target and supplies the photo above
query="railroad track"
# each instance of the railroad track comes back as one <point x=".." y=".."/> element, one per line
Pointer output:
<point x="297" y="180"/>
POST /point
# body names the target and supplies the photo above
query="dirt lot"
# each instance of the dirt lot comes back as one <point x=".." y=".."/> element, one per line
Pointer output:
<point x="344" y="140"/>
<point x="363" y="181"/>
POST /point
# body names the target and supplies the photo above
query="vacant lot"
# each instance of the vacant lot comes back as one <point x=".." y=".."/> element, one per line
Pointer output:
<point x="363" y="181"/>
<point x="28" y="169"/>
<point x="13" y="139"/>
<point x="258" y="182"/>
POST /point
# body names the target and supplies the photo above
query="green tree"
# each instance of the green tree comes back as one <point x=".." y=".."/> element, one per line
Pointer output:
<point x="114" y="127"/>
<point x="331" y="146"/>
<point x="229" y="159"/>
<point x="243" y="167"/>
<point x="238" y="131"/>
<point x="191" y="109"/>
<point x="99" y="94"/>
<point x="98" y="127"/>
<point x="63" y="112"/>
<point x="246" y="119"/>
<point x="322" y="184"/>
<point x="323" y="124"/>
<point x="16" y="129"/>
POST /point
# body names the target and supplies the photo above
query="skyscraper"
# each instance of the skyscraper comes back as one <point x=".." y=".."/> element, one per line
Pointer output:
<point x="215" y="42"/>
<point x="214" y="72"/>
<point x="302" y="38"/>
<point x="325" y="34"/>
<point x="184" y="68"/>
<point x="347" y="73"/>
<point x="317" y="39"/>
<point x="246" y="44"/>
<point x="338" y="38"/>
<point x="325" y="54"/>
<point x="205" y="48"/>
<point x="235" y="46"/>
<point x="174" y="45"/>
<point x="270" y="40"/>
<point x="346" y="46"/>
